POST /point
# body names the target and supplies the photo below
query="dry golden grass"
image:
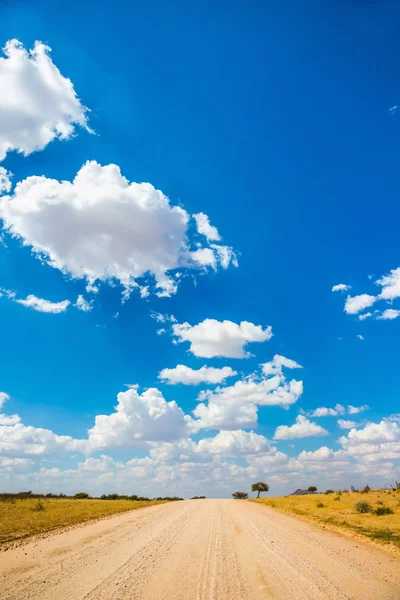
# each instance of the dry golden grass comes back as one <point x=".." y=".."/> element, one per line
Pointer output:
<point x="30" y="516"/>
<point x="338" y="510"/>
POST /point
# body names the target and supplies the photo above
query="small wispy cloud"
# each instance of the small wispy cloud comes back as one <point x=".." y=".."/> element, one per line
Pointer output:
<point x="341" y="287"/>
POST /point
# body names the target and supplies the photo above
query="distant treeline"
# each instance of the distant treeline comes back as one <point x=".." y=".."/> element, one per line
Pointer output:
<point x="81" y="496"/>
<point x="198" y="498"/>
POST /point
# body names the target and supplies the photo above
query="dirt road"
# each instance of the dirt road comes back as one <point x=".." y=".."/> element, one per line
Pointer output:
<point x="199" y="550"/>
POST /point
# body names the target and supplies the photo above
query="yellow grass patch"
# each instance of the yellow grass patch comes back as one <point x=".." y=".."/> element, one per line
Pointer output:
<point x="26" y="517"/>
<point x="339" y="510"/>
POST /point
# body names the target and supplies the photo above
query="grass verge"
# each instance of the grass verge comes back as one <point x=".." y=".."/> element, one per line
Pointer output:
<point x="23" y="518"/>
<point x="338" y="509"/>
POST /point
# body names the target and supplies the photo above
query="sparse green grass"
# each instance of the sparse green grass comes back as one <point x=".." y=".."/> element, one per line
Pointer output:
<point x="380" y="525"/>
<point x="23" y="518"/>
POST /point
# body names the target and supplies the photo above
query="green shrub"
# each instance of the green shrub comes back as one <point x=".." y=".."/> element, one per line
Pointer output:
<point x="363" y="507"/>
<point x="320" y="505"/>
<point x="330" y="492"/>
<point x="337" y="498"/>
<point x="383" y="510"/>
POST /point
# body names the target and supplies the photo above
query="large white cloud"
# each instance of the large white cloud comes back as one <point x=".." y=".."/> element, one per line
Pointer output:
<point x="374" y="443"/>
<point x="235" y="406"/>
<point x="181" y="450"/>
<point x="266" y="392"/>
<point x="37" y="104"/>
<point x="373" y="433"/>
<point x="102" y="227"/>
<point x="217" y="415"/>
<point x="301" y="429"/>
<point x="188" y="376"/>
<point x="323" y="454"/>
<point x="234" y="443"/>
<point x="212" y="338"/>
<point x="15" y="465"/>
<point x="19" y="440"/>
<point x="137" y="420"/>
<point x="9" y="419"/>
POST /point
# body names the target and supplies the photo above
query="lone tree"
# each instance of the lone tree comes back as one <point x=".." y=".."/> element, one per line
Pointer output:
<point x="240" y="495"/>
<point x="260" y="487"/>
<point x="312" y="489"/>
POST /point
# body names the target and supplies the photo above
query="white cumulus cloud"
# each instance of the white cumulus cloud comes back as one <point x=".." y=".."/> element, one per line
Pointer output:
<point x="37" y="104"/>
<point x="301" y="429"/>
<point x="188" y="376"/>
<point x="138" y="419"/>
<point x="373" y="433"/>
<point x="390" y="285"/>
<point x="18" y="440"/>
<point x="212" y="338"/>
<point x="355" y="304"/>
<point x="328" y="412"/>
<point x="234" y="443"/>
<point x="321" y="455"/>
<point x="389" y="314"/>
<point x="101" y="227"/>
<point x="233" y="407"/>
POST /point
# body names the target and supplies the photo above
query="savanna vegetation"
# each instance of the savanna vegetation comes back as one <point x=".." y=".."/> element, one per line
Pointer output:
<point x="26" y="514"/>
<point x="371" y="513"/>
<point x="258" y="487"/>
<point x="240" y="495"/>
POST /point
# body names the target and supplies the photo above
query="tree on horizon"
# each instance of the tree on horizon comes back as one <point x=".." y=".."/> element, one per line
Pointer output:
<point x="260" y="487"/>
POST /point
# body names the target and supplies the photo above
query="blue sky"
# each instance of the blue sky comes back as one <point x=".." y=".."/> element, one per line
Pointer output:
<point x="274" y="124"/>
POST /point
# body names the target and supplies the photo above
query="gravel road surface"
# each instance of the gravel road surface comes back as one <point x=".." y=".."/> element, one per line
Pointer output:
<point x="199" y="550"/>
